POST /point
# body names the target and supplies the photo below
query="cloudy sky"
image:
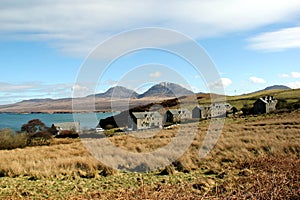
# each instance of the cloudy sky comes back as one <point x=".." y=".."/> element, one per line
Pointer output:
<point x="44" y="44"/>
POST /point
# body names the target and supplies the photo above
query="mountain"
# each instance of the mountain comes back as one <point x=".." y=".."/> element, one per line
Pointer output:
<point x="277" y="87"/>
<point x="118" y="92"/>
<point x="163" y="89"/>
<point x="103" y="101"/>
<point x="37" y="100"/>
<point x="166" y="89"/>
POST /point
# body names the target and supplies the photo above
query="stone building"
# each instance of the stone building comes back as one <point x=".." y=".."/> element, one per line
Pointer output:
<point x="220" y="109"/>
<point x="67" y="126"/>
<point x="145" y="120"/>
<point x="211" y="111"/>
<point x="177" y="115"/>
<point x="201" y="112"/>
<point x="264" y="105"/>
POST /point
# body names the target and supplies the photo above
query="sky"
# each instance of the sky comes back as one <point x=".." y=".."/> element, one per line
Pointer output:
<point x="45" y="44"/>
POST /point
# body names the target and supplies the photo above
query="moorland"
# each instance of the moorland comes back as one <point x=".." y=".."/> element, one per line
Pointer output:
<point x="256" y="157"/>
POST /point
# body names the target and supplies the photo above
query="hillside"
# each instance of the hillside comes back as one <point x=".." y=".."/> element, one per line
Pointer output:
<point x="291" y="96"/>
<point x="117" y="92"/>
<point x="277" y="87"/>
<point x="119" y="96"/>
<point x="254" y="158"/>
<point x="166" y="89"/>
<point x="124" y="98"/>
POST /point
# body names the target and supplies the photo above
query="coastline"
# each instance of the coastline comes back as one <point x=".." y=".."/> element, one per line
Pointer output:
<point x="54" y="112"/>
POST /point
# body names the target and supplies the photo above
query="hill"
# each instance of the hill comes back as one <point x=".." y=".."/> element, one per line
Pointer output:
<point x="166" y="89"/>
<point x="289" y="95"/>
<point x="157" y="93"/>
<point x="277" y="87"/>
<point x="119" y="95"/>
<point x="118" y="92"/>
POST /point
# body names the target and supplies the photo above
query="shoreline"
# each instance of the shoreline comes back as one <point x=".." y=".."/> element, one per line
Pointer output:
<point x="56" y="112"/>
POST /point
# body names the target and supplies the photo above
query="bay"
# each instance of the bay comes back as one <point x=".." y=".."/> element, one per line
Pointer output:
<point x="87" y="120"/>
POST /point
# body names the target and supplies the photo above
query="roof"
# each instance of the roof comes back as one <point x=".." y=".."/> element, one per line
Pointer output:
<point x="142" y="115"/>
<point x="178" y="111"/>
<point x="156" y="114"/>
<point x="174" y="111"/>
<point x="139" y="115"/>
<point x="267" y="99"/>
<point x="67" y="125"/>
<point x="261" y="99"/>
<point x="199" y="107"/>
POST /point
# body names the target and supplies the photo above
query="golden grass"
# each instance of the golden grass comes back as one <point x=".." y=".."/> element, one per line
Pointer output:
<point x="254" y="156"/>
<point x="49" y="161"/>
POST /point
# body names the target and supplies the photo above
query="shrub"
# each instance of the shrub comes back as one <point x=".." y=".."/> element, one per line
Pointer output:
<point x="285" y="105"/>
<point x="33" y="126"/>
<point x="38" y="138"/>
<point x="11" y="140"/>
<point x="247" y="110"/>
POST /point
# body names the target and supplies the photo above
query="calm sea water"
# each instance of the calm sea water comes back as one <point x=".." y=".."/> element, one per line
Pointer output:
<point x="87" y="120"/>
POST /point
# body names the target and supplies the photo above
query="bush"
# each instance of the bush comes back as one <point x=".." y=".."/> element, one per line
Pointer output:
<point x="11" y="140"/>
<point x="284" y="105"/>
<point x="247" y="110"/>
<point x="38" y="138"/>
<point x="34" y="126"/>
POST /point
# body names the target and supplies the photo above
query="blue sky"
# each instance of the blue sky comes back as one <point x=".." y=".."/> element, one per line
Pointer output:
<point x="43" y="44"/>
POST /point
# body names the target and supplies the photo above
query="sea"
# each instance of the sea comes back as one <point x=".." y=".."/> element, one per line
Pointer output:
<point x="87" y="120"/>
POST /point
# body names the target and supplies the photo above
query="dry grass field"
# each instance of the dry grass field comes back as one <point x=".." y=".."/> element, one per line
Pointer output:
<point x="256" y="157"/>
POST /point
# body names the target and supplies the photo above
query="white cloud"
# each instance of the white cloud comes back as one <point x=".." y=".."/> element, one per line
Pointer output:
<point x="294" y="85"/>
<point x="221" y="83"/>
<point x="277" y="40"/>
<point x="226" y="82"/>
<point x="16" y="92"/>
<point x="291" y="75"/>
<point x="8" y="87"/>
<point x="81" y="90"/>
<point x="295" y="74"/>
<point x="76" y="28"/>
<point x="111" y="82"/>
<point x="197" y="76"/>
<point x="254" y="79"/>
<point x="156" y="74"/>
<point x="284" y="75"/>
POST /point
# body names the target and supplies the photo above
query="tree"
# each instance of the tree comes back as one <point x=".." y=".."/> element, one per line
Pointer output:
<point x="37" y="132"/>
<point x="34" y="126"/>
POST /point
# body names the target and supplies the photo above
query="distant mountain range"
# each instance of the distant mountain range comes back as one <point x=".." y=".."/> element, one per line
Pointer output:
<point x="118" y="94"/>
<point x="277" y="87"/>
<point x="164" y="89"/>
